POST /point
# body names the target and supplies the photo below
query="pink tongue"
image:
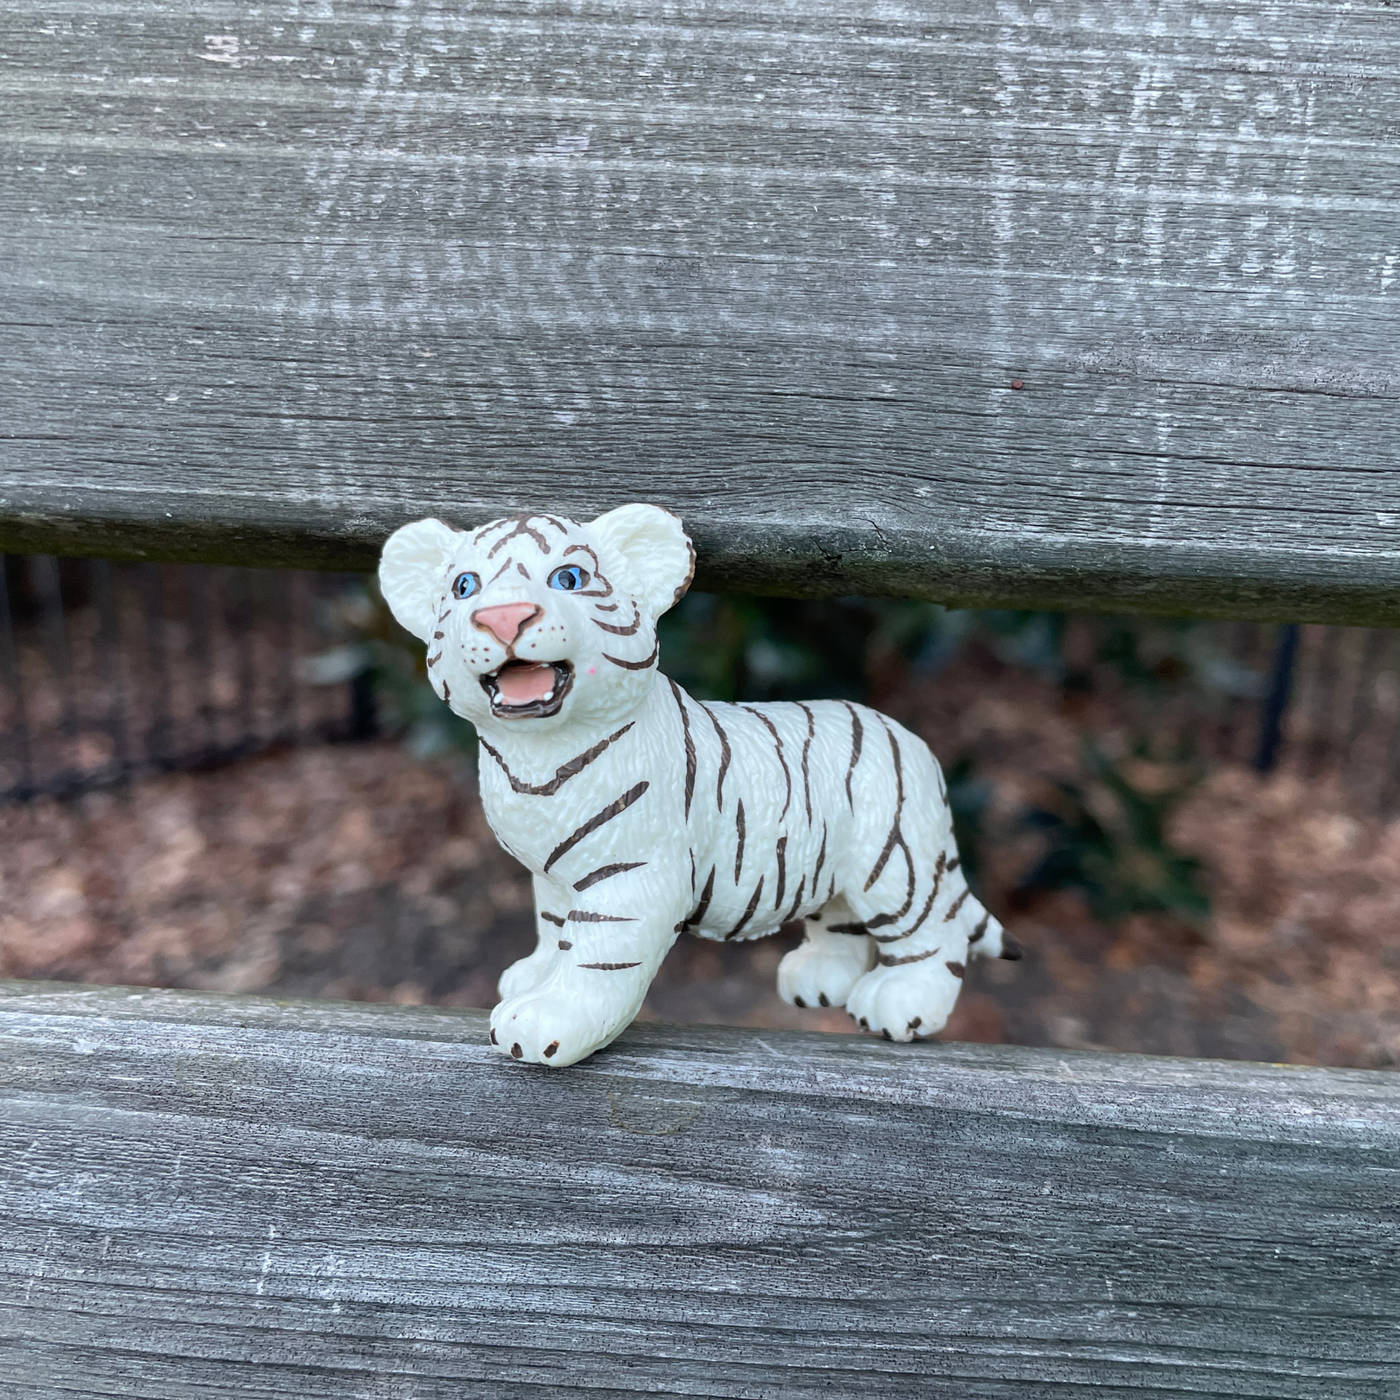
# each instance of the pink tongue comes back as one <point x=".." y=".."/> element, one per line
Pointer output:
<point x="519" y="685"/>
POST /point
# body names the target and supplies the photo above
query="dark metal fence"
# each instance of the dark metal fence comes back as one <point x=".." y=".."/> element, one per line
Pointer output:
<point x="1321" y="703"/>
<point x="1340" y="710"/>
<point x="110" y="671"/>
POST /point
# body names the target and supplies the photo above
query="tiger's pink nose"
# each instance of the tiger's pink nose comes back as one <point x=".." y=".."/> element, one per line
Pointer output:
<point x="506" y="621"/>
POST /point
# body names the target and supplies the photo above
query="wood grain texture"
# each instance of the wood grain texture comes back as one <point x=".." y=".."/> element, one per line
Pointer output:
<point x="217" y="1196"/>
<point x="280" y="277"/>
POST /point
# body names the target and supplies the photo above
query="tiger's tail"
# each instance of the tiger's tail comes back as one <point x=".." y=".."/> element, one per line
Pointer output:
<point x="986" y="938"/>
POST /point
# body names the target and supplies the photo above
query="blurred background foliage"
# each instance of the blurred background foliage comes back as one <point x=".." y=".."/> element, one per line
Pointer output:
<point x="1104" y="832"/>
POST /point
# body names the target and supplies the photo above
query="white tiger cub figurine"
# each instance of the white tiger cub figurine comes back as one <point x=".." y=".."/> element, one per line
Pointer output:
<point x="642" y="812"/>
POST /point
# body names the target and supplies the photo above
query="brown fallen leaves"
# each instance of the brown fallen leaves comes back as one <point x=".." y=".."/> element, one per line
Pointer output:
<point x="341" y="872"/>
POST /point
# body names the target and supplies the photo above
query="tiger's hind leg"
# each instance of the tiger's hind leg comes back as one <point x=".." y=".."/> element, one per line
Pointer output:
<point x="913" y="896"/>
<point x="911" y="991"/>
<point x="835" y="954"/>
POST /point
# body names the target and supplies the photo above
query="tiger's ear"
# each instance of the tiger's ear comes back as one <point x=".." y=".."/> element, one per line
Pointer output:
<point x="412" y="569"/>
<point x="657" y="556"/>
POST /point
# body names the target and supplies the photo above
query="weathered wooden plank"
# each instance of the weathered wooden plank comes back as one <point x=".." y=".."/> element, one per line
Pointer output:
<point x="280" y="277"/>
<point x="237" y="1197"/>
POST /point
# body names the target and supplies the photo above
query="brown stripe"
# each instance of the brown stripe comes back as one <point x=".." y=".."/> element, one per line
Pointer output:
<point x="606" y="872"/>
<point x="782" y="870"/>
<point x="637" y="665"/>
<point x="724" y="755"/>
<point x="954" y="863"/>
<point x="523" y="572"/>
<point x="562" y="774"/>
<point x="700" y="909"/>
<point x="587" y="916"/>
<point x="980" y="931"/>
<point x="796" y="900"/>
<point x="777" y="740"/>
<point x="564" y="945"/>
<point x="554" y="919"/>
<point x="887" y="961"/>
<point x="880" y="920"/>
<point x="857" y="740"/>
<point x="499" y="572"/>
<point x="917" y="924"/>
<point x="956" y="968"/>
<point x="748" y="913"/>
<point x="689" y="745"/>
<point x="955" y="906"/>
<point x="739" y="852"/>
<point x="609" y="967"/>
<point x="622" y="631"/>
<point x="924" y="912"/>
<point x="895" y="835"/>
<point x="821" y="858"/>
<point x="612" y="810"/>
<point x="433" y="660"/>
<point x="563" y="529"/>
<point x="522" y="527"/>
<point x="885" y="854"/>
<point x="806" y="750"/>
<point x="845" y="928"/>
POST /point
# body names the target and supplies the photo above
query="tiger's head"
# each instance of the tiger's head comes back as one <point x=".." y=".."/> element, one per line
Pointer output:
<point x="537" y="619"/>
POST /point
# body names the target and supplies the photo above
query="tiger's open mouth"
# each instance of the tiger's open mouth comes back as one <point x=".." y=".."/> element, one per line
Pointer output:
<point x="528" y="689"/>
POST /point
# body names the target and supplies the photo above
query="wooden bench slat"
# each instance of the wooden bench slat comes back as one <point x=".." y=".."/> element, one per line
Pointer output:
<point x="277" y="281"/>
<point x="229" y="1196"/>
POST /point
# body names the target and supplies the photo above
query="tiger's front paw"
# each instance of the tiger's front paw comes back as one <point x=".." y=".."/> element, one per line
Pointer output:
<point x="526" y="974"/>
<point x="903" y="1002"/>
<point x="823" y="973"/>
<point x="546" y="1028"/>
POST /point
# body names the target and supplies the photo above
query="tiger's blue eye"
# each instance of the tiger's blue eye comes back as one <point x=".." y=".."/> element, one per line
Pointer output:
<point x="464" y="585"/>
<point x="569" y="577"/>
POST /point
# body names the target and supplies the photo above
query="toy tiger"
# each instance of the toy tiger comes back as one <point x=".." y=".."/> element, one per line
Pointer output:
<point x="643" y="813"/>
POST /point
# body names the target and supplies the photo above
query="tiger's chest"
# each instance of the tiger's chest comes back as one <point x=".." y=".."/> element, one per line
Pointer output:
<point x="616" y="790"/>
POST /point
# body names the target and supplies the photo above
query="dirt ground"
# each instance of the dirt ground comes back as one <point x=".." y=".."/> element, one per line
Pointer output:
<point x="356" y="871"/>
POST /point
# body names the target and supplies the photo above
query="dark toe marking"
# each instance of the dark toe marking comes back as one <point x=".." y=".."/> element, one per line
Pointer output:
<point x="516" y="1051"/>
<point x="887" y="1035"/>
<point x="494" y="1041"/>
<point x="864" y="1024"/>
<point x="821" y="997"/>
<point x="956" y="968"/>
<point x="550" y="1049"/>
<point x="797" y="1001"/>
<point x="916" y="1023"/>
